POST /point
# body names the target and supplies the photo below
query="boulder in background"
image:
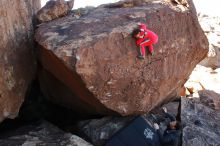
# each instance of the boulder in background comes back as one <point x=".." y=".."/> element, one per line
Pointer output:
<point x="17" y="61"/>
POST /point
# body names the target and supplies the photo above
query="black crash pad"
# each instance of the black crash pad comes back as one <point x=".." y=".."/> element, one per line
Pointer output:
<point x="137" y="133"/>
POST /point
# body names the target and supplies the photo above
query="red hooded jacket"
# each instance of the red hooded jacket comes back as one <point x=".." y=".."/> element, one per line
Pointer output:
<point x="147" y="35"/>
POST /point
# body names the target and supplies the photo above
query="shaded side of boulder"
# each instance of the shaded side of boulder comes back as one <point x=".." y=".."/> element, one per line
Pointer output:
<point x="54" y="9"/>
<point x="201" y="123"/>
<point x="92" y="65"/>
<point x="17" y="62"/>
<point x="41" y="133"/>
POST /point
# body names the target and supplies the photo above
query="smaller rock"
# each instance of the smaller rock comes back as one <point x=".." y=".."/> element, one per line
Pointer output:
<point x="41" y="133"/>
<point x="184" y="92"/>
<point x="210" y="98"/>
<point x="100" y="130"/>
<point x="54" y="9"/>
<point x="82" y="11"/>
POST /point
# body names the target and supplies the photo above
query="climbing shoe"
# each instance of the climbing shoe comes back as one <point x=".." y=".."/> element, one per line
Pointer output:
<point x="140" y="57"/>
<point x="152" y="53"/>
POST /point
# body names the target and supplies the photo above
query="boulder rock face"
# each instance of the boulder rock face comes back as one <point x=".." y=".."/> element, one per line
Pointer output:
<point x="90" y="64"/>
<point x="41" y="133"/>
<point x="16" y="53"/>
<point x="54" y="9"/>
<point x="201" y="122"/>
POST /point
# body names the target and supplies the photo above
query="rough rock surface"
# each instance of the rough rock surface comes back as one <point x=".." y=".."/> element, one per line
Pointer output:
<point x="99" y="131"/>
<point x="17" y="63"/>
<point x="201" y="123"/>
<point x="209" y="19"/>
<point x="41" y="134"/>
<point x="54" y="9"/>
<point x="210" y="99"/>
<point x="90" y="63"/>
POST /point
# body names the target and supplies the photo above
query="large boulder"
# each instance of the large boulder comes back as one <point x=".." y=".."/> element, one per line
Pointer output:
<point x="210" y="99"/>
<point x="17" y="64"/>
<point x="89" y="64"/>
<point x="54" y="9"/>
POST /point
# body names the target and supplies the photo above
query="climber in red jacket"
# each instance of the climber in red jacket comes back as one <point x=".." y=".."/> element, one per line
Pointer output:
<point x="144" y="38"/>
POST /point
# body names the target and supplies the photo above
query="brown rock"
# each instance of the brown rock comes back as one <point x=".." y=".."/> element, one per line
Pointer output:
<point x="54" y="9"/>
<point x="17" y="62"/>
<point x="90" y="63"/>
<point x="210" y="98"/>
<point x="184" y="92"/>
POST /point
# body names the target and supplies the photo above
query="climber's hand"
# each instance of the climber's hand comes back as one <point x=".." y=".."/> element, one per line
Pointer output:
<point x="164" y="109"/>
<point x="156" y="126"/>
